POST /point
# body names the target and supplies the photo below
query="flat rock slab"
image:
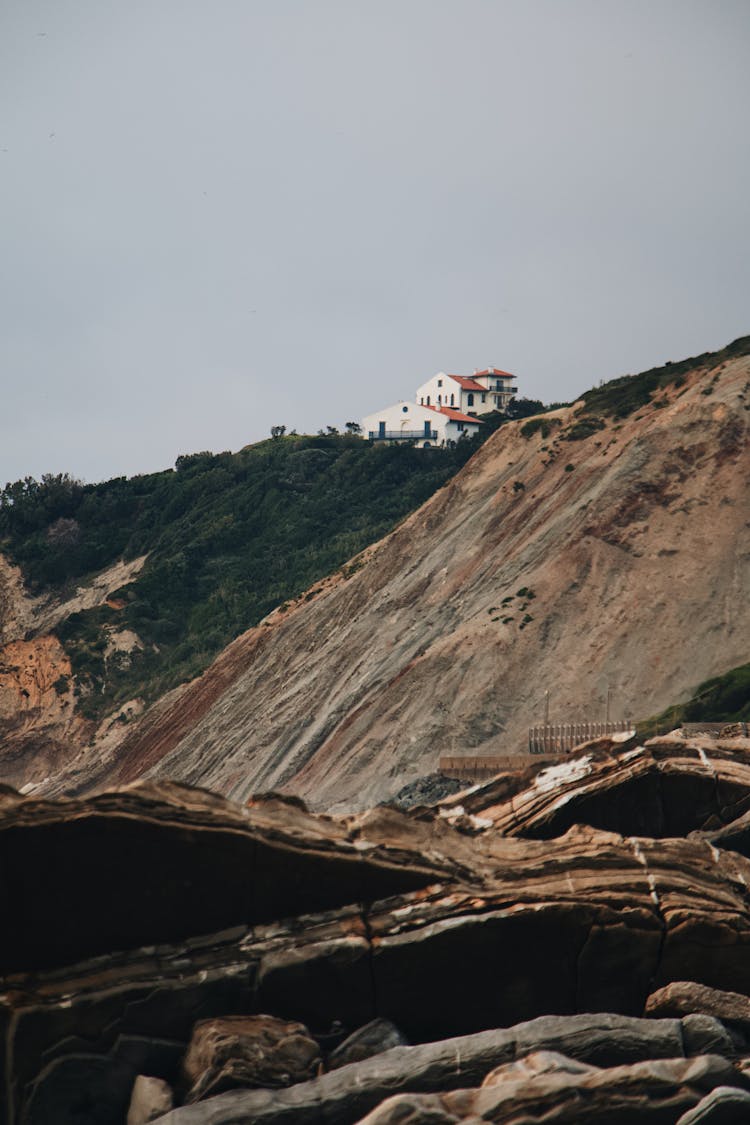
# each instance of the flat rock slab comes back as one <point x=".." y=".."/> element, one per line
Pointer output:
<point x="723" y="1106"/>
<point x="562" y="1094"/>
<point x="343" y="1096"/>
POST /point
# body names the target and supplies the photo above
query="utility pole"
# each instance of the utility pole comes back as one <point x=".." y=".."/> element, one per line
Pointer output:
<point x="546" y="707"/>
<point x="609" y="696"/>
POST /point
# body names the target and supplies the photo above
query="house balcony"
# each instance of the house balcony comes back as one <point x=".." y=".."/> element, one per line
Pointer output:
<point x="402" y="435"/>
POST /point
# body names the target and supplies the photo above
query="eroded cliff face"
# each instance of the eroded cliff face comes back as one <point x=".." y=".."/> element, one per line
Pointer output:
<point x="549" y="563"/>
<point x="40" y="728"/>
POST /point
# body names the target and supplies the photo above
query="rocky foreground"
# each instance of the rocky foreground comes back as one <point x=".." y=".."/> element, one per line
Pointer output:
<point x="565" y="944"/>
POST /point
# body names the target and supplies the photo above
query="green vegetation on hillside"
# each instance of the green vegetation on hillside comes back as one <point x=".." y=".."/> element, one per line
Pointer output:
<point x="229" y="537"/>
<point x="723" y="699"/>
<point x="620" y="397"/>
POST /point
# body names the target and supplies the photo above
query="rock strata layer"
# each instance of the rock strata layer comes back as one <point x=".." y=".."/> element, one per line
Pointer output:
<point x="669" y="787"/>
<point x="212" y="946"/>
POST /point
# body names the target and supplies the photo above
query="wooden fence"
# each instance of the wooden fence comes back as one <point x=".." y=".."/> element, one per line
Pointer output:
<point x="465" y="768"/>
<point x="561" y="738"/>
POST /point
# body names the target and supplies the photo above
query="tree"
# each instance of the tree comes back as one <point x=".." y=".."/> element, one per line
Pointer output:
<point x="353" y="428"/>
<point x="64" y="533"/>
<point x="277" y="432"/>
<point x="525" y="408"/>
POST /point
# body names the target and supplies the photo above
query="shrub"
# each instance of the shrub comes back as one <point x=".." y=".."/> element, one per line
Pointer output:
<point x="583" y="428"/>
<point x="535" y="426"/>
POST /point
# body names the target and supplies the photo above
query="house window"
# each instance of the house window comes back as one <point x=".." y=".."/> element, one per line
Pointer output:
<point x="461" y="426"/>
<point x="484" y="398"/>
<point x="404" y="409"/>
<point x="428" y="400"/>
<point x="440" y="382"/>
<point x="470" y="399"/>
<point x="440" y="399"/>
<point x="421" y="401"/>
<point x="452" y="400"/>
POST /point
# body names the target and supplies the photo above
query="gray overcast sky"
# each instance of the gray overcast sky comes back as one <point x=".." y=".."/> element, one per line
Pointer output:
<point x="217" y="216"/>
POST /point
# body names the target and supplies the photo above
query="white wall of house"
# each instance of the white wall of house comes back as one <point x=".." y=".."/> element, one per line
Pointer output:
<point x="446" y="390"/>
<point x="500" y="387"/>
<point x="455" y="430"/>
<point x="439" y="390"/>
<point x="407" y="421"/>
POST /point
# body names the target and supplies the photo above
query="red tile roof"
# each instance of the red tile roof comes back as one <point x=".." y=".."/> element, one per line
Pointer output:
<point x="454" y="415"/>
<point x="467" y="384"/>
<point x="494" y="371"/>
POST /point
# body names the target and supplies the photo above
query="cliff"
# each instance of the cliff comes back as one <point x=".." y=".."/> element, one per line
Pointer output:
<point x="40" y="726"/>
<point x="573" y="553"/>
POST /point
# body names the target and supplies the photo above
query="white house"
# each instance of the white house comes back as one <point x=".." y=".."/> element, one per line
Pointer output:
<point x="424" y="425"/>
<point x="446" y="409"/>
<point x="491" y="389"/>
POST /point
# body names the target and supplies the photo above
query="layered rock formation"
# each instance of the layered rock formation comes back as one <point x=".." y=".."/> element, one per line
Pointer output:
<point x="669" y="787"/>
<point x="168" y="933"/>
<point x="40" y="729"/>
<point x="584" y="558"/>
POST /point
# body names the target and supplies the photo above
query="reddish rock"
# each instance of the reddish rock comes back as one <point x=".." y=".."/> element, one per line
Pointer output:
<point x="242" y="1051"/>
<point x="686" y="997"/>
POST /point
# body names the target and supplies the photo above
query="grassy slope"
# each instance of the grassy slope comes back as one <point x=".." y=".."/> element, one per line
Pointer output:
<point x="229" y="537"/>
<point x="723" y="699"/>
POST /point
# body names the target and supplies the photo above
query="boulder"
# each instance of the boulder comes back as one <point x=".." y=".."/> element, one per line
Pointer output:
<point x="685" y="997"/>
<point x="151" y="1098"/>
<point x="239" y="1051"/>
<point x="376" y="1036"/>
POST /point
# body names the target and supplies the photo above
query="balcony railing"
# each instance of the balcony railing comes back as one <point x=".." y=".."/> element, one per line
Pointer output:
<point x="402" y="435"/>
